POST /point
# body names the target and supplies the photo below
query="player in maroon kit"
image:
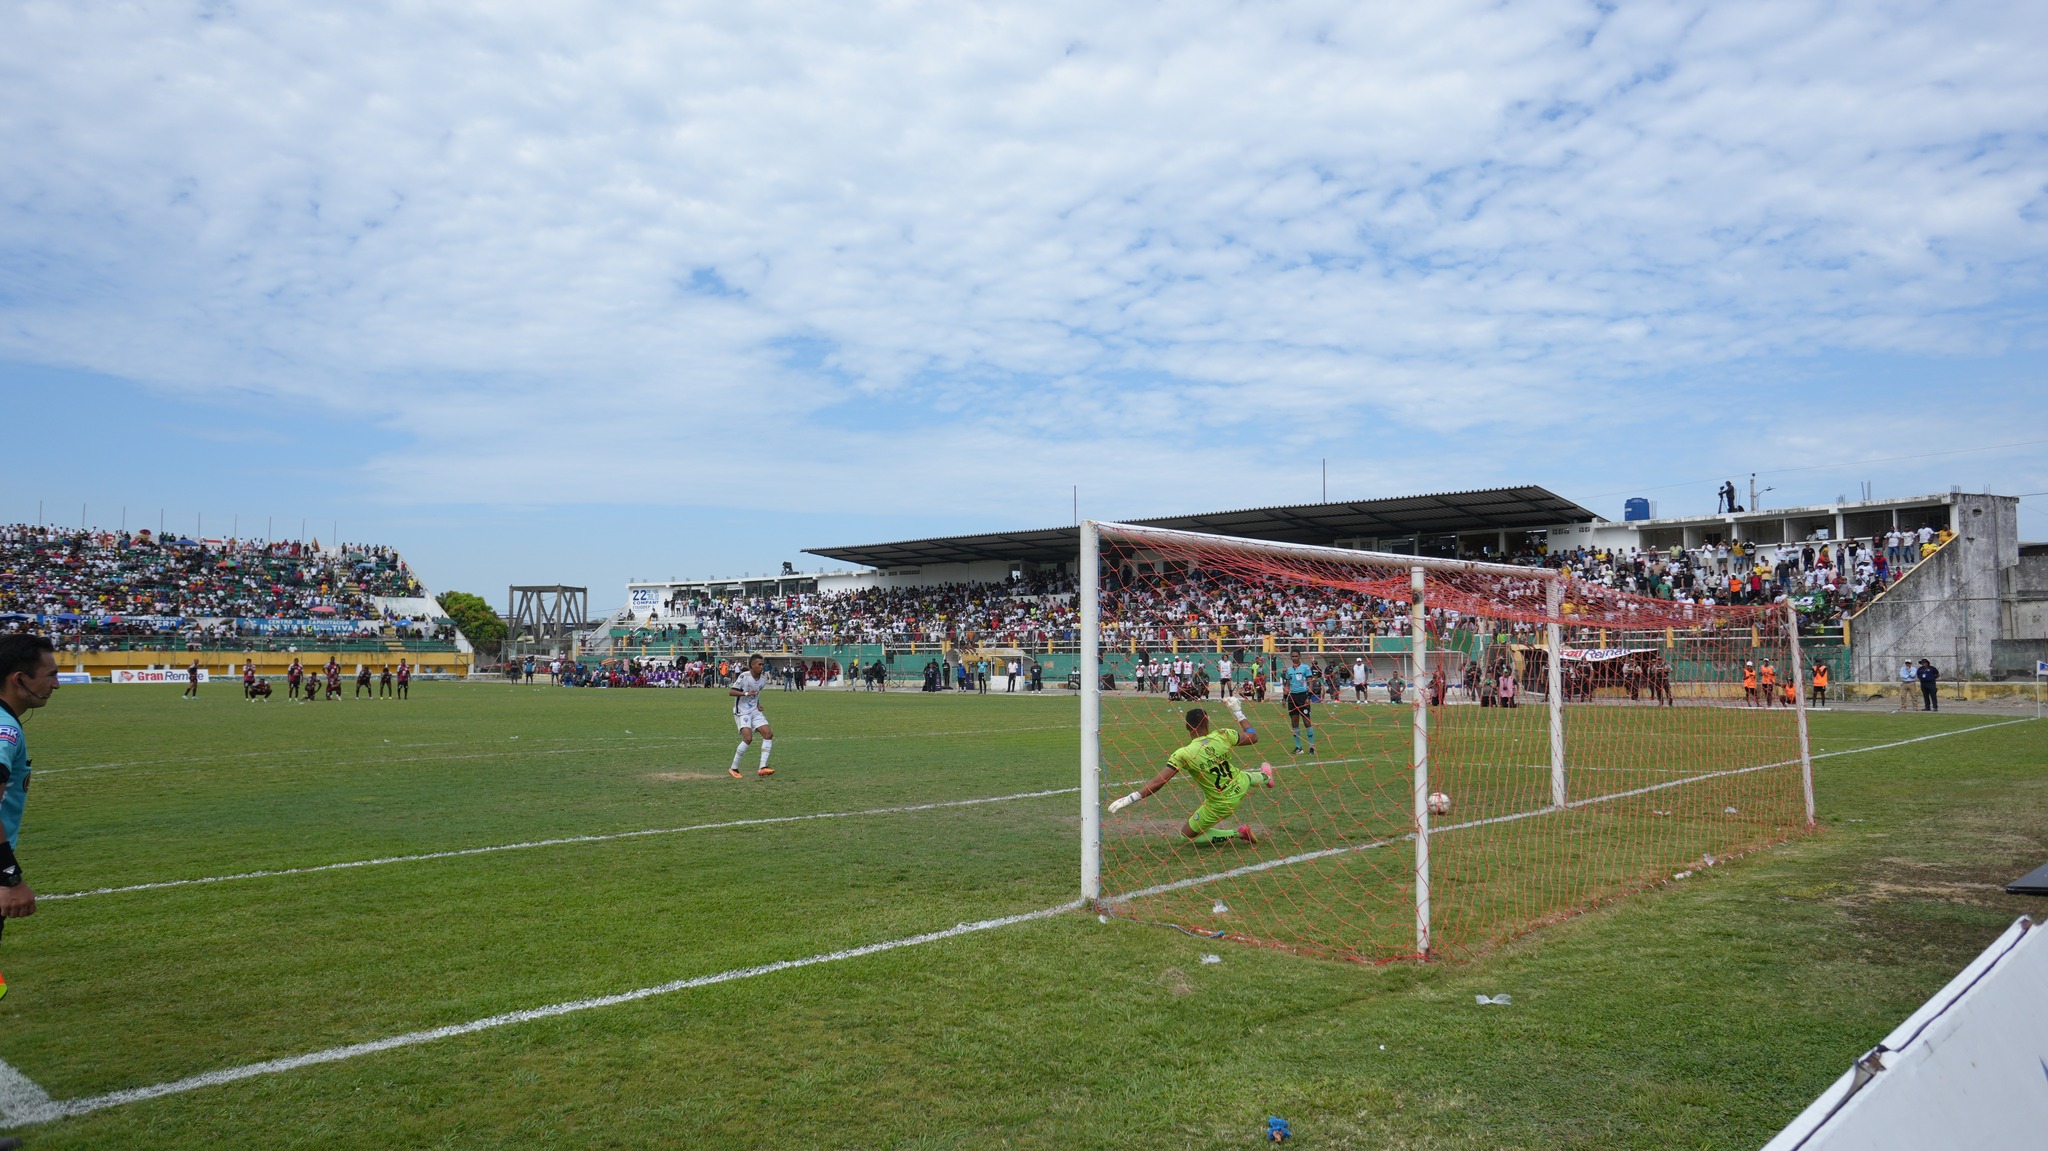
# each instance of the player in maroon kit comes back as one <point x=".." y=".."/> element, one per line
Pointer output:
<point x="404" y="679"/>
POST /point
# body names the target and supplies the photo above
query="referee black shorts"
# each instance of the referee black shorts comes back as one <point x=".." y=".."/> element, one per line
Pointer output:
<point x="1297" y="705"/>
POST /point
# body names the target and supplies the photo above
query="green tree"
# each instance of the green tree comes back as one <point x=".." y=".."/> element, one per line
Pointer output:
<point x="474" y="618"/>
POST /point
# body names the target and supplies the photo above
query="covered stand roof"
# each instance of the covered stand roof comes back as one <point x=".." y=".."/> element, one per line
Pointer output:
<point x="1494" y="509"/>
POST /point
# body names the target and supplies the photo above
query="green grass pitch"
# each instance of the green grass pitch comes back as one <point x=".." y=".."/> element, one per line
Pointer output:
<point x="1701" y="1014"/>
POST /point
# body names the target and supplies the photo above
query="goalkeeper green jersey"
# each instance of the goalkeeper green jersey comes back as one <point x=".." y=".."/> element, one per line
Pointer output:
<point x="1208" y="760"/>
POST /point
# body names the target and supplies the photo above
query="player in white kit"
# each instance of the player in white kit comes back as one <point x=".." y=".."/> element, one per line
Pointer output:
<point x="746" y="712"/>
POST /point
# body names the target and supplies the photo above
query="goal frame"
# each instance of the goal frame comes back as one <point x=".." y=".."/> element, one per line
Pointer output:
<point x="1418" y="567"/>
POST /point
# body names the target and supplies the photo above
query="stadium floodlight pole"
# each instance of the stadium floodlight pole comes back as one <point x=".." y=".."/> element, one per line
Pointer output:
<point x="1799" y="706"/>
<point x="1418" y="650"/>
<point x="1091" y="711"/>
<point x="1553" y="639"/>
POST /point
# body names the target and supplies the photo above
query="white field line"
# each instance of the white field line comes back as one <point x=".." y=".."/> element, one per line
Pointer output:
<point x="28" y="1109"/>
<point x="640" y="742"/>
<point x="561" y="841"/>
<point x="1325" y="853"/>
<point x="20" y="1098"/>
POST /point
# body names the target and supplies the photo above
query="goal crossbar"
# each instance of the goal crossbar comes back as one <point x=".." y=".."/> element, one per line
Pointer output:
<point x="1136" y="534"/>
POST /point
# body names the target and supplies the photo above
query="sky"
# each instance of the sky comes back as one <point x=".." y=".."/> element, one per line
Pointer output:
<point x="577" y="293"/>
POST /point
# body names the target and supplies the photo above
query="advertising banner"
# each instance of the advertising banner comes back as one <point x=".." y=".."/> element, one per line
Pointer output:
<point x="127" y="675"/>
<point x="1592" y="653"/>
<point x="303" y="626"/>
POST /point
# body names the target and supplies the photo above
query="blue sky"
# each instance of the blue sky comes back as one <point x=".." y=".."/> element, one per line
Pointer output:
<point x="577" y="292"/>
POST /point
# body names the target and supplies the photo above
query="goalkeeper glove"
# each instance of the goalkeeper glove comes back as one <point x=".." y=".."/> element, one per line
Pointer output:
<point x="1236" y="709"/>
<point x="1119" y="804"/>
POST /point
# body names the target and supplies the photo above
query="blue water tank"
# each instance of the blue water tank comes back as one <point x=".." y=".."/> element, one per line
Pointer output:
<point x="1636" y="509"/>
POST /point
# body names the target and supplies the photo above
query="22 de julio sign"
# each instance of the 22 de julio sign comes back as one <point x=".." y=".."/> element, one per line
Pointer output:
<point x="1580" y="654"/>
<point x="122" y="675"/>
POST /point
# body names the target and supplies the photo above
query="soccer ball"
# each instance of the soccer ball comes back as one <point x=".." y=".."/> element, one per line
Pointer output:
<point x="1439" y="803"/>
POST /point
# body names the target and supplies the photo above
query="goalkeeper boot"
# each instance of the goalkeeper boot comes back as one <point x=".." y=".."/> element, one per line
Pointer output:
<point x="1266" y="769"/>
<point x="1244" y="832"/>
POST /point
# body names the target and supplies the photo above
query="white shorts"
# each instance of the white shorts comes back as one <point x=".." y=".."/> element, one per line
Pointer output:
<point x="746" y="717"/>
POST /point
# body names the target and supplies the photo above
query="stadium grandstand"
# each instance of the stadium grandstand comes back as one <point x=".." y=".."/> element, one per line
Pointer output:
<point x="998" y="595"/>
<point x="117" y="600"/>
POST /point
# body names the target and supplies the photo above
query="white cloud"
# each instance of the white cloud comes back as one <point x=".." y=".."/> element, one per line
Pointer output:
<point x="1044" y="231"/>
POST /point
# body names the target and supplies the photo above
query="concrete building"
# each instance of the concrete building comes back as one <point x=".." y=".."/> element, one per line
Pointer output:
<point x="1860" y="520"/>
<point x="1978" y="608"/>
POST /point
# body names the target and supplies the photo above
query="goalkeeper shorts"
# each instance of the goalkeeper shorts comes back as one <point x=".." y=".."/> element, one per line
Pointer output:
<point x="1220" y="805"/>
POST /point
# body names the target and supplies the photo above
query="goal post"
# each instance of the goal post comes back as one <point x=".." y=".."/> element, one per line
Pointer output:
<point x="1091" y="712"/>
<point x="1455" y="821"/>
<point x="1418" y="650"/>
<point x="1799" y="702"/>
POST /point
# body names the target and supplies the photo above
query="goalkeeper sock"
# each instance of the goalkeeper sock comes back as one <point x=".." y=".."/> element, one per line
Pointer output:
<point x="736" y="754"/>
<point x="767" y="745"/>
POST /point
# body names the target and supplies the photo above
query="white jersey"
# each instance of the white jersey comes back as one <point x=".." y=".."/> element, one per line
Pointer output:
<point x="746" y="706"/>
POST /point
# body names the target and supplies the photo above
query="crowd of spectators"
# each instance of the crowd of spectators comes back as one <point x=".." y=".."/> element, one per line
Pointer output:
<point x="1153" y="605"/>
<point x="1031" y="611"/>
<point x="1834" y="578"/>
<point x="793" y="675"/>
<point x="90" y="587"/>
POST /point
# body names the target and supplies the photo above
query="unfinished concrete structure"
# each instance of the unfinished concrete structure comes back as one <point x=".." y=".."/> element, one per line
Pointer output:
<point x="1971" y="608"/>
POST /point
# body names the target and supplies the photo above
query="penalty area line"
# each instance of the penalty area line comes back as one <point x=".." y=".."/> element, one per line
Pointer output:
<point x="603" y="837"/>
<point x="33" y="1106"/>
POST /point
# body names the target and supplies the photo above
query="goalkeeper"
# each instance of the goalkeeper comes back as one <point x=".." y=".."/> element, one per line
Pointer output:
<point x="1207" y="757"/>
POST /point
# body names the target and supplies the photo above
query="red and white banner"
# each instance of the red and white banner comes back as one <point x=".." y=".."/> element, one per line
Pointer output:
<point x="1592" y="653"/>
<point x="122" y="675"/>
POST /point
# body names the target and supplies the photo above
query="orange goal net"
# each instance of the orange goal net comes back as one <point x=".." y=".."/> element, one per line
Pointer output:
<point x="1460" y="752"/>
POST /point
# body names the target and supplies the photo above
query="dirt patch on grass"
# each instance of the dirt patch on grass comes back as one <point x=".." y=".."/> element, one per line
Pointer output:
<point x="684" y="776"/>
<point x="1957" y="892"/>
